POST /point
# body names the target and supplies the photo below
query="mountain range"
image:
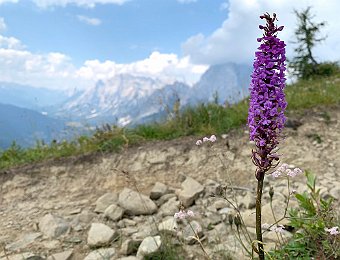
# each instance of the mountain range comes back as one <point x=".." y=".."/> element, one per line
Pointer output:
<point x="29" y="113"/>
<point x="128" y="99"/>
<point x="26" y="126"/>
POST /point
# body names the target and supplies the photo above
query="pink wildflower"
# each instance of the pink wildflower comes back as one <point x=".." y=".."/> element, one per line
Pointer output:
<point x="333" y="231"/>
<point x="205" y="139"/>
<point x="276" y="174"/>
<point x="212" y="138"/>
<point x="278" y="228"/>
<point x="265" y="226"/>
<point x="184" y="214"/>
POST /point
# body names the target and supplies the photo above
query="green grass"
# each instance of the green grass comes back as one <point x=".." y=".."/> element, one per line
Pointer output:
<point x="204" y="119"/>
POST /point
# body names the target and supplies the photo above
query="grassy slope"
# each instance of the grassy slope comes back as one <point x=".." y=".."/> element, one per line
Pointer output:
<point x="201" y="120"/>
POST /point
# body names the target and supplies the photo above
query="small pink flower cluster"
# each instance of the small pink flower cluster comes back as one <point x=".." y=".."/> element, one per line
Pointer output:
<point x="184" y="214"/>
<point x="333" y="231"/>
<point x="275" y="228"/>
<point x="284" y="169"/>
<point x="206" y="139"/>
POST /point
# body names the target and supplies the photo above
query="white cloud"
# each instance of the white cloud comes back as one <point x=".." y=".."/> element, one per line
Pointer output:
<point x="89" y="20"/>
<point x="3" y="25"/>
<point x="167" y="67"/>
<point x="10" y="43"/>
<point x="235" y="40"/>
<point x="56" y="70"/>
<point x="8" y="1"/>
<point x="82" y="3"/>
<point x="186" y="1"/>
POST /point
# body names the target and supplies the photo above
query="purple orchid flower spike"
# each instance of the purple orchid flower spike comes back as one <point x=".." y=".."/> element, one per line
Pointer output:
<point x="266" y="109"/>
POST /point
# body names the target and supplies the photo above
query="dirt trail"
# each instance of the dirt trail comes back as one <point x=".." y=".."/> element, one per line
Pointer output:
<point x="70" y="185"/>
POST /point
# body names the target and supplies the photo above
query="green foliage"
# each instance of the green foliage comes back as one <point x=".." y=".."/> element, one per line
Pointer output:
<point x="168" y="250"/>
<point x="315" y="137"/>
<point x="327" y="69"/>
<point x="306" y="94"/>
<point x="314" y="214"/>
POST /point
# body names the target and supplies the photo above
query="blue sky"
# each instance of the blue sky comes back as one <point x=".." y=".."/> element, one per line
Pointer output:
<point x="123" y="33"/>
<point x="73" y="43"/>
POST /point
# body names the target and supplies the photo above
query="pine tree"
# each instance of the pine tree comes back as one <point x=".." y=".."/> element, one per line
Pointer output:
<point x="304" y="65"/>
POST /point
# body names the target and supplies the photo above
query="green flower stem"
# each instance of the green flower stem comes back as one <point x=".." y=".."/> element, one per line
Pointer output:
<point x="258" y="214"/>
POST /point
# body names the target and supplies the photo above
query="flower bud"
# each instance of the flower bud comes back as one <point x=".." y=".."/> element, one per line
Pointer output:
<point x="271" y="192"/>
<point x="237" y="221"/>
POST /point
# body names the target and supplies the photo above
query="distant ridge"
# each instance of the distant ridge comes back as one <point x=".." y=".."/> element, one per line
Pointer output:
<point x="25" y="126"/>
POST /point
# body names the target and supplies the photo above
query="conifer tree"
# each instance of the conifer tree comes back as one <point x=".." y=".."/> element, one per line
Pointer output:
<point x="304" y="64"/>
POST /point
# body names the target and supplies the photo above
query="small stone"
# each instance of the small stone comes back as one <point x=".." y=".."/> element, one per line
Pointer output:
<point x="220" y="204"/>
<point x="102" y="253"/>
<point x="148" y="246"/>
<point x="130" y="246"/>
<point x="165" y="198"/>
<point x="23" y="242"/>
<point x="189" y="234"/>
<point x="335" y="192"/>
<point x="53" y="226"/>
<point x="248" y="201"/>
<point x="129" y="222"/>
<point x="74" y="211"/>
<point x="169" y="208"/>
<point x="129" y="258"/>
<point x="191" y="189"/>
<point x="136" y="203"/>
<point x="226" y="211"/>
<point x="106" y="200"/>
<point x="158" y="190"/>
<point x="21" y="256"/>
<point x="128" y="231"/>
<point x="168" y="226"/>
<point x="100" y="235"/>
<point x="51" y="244"/>
<point x="66" y="255"/>
<point x="114" y="212"/>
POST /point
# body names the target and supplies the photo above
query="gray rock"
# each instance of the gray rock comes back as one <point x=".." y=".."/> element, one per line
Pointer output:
<point x="23" y="242"/>
<point x="145" y="231"/>
<point x="135" y="203"/>
<point x="100" y="235"/>
<point x="220" y="204"/>
<point x="86" y="216"/>
<point x="168" y="226"/>
<point x="158" y="190"/>
<point x="114" y="212"/>
<point x="211" y="187"/>
<point x="267" y="215"/>
<point x="128" y="231"/>
<point x="102" y="254"/>
<point x="191" y="231"/>
<point x="21" y="256"/>
<point x="130" y="246"/>
<point x="190" y="191"/>
<point x="148" y="246"/>
<point x="165" y="198"/>
<point x="248" y="201"/>
<point x="169" y="208"/>
<point x="35" y="257"/>
<point x="106" y="200"/>
<point x="129" y="258"/>
<point x="211" y="220"/>
<point x="66" y="255"/>
<point x="53" y="226"/>
<point x="335" y="191"/>
<point x="129" y="222"/>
